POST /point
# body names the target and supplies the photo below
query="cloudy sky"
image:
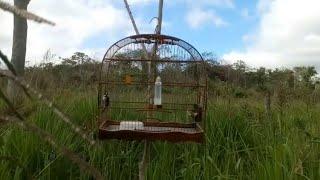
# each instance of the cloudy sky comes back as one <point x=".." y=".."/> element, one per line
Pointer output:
<point x="271" y="33"/>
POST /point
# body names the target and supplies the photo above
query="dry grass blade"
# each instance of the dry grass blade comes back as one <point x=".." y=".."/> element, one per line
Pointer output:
<point x="49" y="138"/>
<point x="7" y="62"/>
<point x="26" y="87"/>
<point x="83" y="165"/>
<point x="23" y="13"/>
<point x="10" y="105"/>
<point x="12" y="70"/>
<point x="17" y="162"/>
<point x="48" y="103"/>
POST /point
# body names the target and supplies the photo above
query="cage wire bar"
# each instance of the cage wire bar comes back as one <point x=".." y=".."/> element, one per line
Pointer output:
<point x="123" y="94"/>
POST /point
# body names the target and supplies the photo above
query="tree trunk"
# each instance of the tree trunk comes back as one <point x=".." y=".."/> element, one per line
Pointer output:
<point x="19" y="45"/>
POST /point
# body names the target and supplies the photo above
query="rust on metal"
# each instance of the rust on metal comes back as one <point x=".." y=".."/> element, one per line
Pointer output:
<point x="173" y="132"/>
<point x="136" y="83"/>
<point x="154" y="60"/>
<point x="126" y="80"/>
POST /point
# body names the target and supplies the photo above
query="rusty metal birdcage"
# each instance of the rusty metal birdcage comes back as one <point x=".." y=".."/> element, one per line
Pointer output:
<point x="152" y="87"/>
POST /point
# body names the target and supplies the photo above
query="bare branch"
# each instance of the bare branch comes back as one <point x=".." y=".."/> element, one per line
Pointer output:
<point x="48" y="103"/>
<point x="131" y="17"/>
<point x="135" y="26"/>
<point x="20" y="120"/>
<point x="7" y="62"/>
<point x="28" y="89"/>
<point x="23" y="13"/>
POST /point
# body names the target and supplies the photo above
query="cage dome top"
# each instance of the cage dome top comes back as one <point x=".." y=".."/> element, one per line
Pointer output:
<point x="151" y="39"/>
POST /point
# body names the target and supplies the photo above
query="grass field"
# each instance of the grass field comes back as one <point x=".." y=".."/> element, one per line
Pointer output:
<point x="241" y="143"/>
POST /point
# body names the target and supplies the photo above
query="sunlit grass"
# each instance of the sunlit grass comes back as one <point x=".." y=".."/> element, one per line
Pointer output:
<point x="241" y="143"/>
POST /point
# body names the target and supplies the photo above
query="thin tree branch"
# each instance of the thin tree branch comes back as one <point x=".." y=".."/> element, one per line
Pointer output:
<point x="8" y="64"/>
<point x="135" y="26"/>
<point x="27" y="88"/>
<point x="23" y="13"/>
<point x="48" y="103"/>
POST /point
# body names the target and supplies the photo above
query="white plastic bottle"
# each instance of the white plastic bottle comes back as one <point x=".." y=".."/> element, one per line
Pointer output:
<point x="157" y="92"/>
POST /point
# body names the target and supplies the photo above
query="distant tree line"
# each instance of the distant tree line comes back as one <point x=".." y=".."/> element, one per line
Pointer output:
<point x="238" y="79"/>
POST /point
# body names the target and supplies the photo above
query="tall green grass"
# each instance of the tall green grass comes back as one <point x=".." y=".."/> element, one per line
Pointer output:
<point x="241" y="143"/>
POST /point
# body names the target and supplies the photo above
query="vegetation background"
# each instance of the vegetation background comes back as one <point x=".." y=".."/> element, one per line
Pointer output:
<point x="243" y="139"/>
<point x="261" y="123"/>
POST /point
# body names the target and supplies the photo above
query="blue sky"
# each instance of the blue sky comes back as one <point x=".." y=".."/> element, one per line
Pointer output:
<point x="270" y="33"/>
<point x="208" y="36"/>
<point x="240" y="19"/>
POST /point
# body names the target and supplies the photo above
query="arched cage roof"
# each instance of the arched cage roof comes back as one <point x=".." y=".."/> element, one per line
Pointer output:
<point x="128" y="89"/>
<point x="153" y="39"/>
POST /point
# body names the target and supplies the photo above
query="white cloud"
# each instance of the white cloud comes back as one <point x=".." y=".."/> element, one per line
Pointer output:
<point x="213" y="3"/>
<point x="264" y="5"/>
<point x="133" y="2"/>
<point x="288" y="35"/>
<point x="197" y="17"/>
<point x="202" y="12"/>
<point x="76" y="23"/>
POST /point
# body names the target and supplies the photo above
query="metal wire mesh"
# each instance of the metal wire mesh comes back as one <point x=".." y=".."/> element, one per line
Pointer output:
<point x="125" y="77"/>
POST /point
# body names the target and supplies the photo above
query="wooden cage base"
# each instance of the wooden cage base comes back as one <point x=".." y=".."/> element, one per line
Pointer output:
<point x="173" y="132"/>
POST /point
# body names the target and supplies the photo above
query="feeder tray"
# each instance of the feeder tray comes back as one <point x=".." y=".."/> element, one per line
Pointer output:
<point x="126" y="90"/>
<point x="151" y="131"/>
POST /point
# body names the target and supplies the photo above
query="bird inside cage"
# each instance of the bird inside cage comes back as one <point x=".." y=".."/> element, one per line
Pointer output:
<point x="105" y="100"/>
<point x="196" y="113"/>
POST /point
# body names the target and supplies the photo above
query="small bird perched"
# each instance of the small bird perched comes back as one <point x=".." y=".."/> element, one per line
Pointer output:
<point x="105" y="101"/>
<point x="196" y="113"/>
